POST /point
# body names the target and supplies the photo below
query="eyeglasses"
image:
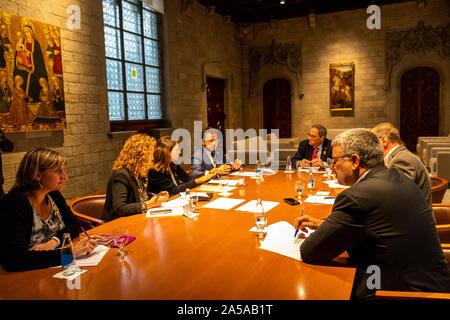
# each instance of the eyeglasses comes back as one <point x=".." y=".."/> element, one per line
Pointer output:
<point x="335" y="159"/>
<point x="311" y="136"/>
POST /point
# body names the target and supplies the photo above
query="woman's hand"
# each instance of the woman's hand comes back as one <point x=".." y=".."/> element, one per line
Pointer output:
<point x="205" y="178"/>
<point x="49" y="245"/>
<point x="84" y="247"/>
<point x="157" y="200"/>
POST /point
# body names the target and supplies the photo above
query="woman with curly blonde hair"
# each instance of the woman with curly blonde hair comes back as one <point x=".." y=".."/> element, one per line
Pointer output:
<point x="126" y="192"/>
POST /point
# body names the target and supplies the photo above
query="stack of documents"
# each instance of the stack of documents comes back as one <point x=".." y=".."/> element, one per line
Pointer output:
<point x="251" y="206"/>
<point x="231" y="183"/>
<point x="178" y="202"/>
<point x="244" y="174"/>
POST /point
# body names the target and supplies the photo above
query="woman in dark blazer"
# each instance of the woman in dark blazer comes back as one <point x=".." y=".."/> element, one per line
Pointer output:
<point x="164" y="174"/>
<point x="34" y="215"/>
<point x="126" y="193"/>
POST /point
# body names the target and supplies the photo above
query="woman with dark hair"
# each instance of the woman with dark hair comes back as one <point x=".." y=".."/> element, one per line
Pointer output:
<point x="164" y="174"/>
<point x="34" y="215"/>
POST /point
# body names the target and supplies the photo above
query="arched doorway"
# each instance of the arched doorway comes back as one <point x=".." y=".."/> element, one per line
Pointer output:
<point x="419" y="105"/>
<point x="277" y="106"/>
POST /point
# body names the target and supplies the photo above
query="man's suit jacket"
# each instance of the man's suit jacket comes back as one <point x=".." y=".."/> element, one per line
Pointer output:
<point x="201" y="162"/>
<point x="305" y="151"/>
<point x="383" y="220"/>
<point x="402" y="159"/>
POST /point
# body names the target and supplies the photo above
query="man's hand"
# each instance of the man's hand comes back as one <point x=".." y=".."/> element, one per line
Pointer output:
<point x="236" y="164"/>
<point x="223" y="169"/>
<point x="307" y="221"/>
<point x="317" y="163"/>
<point x="305" y="163"/>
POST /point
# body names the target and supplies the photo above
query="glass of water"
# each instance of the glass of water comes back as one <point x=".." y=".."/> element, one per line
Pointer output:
<point x="193" y="202"/>
<point x="299" y="189"/>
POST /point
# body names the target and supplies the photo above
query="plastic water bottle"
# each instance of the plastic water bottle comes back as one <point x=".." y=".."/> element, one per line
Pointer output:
<point x="311" y="180"/>
<point x="288" y="164"/>
<point x="258" y="169"/>
<point x="68" y="261"/>
<point x="187" y="204"/>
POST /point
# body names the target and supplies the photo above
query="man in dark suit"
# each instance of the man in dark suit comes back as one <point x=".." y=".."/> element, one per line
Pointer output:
<point x="397" y="156"/>
<point x="383" y="220"/>
<point x="314" y="151"/>
<point x="208" y="159"/>
<point x="6" y="146"/>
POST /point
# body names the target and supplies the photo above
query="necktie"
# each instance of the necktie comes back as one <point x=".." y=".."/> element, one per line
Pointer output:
<point x="314" y="156"/>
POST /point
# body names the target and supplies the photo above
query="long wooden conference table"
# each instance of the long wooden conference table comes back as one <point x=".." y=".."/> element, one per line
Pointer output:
<point x="211" y="256"/>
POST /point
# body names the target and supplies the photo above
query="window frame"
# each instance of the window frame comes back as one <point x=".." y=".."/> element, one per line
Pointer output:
<point x="141" y="125"/>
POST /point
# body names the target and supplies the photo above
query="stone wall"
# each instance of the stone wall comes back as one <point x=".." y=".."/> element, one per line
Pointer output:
<point x="86" y="143"/>
<point x="344" y="37"/>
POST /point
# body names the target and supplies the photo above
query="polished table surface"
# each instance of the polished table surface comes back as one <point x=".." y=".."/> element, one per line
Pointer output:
<point x="211" y="256"/>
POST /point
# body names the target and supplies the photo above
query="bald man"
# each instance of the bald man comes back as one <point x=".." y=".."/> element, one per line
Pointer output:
<point x="397" y="156"/>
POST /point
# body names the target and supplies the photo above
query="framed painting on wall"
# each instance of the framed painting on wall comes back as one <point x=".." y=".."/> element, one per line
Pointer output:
<point x="342" y="86"/>
<point x="31" y="77"/>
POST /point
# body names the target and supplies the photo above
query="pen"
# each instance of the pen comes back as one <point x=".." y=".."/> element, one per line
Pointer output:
<point x="162" y="211"/>
<point x="82" y="229"/>
<point x="296" y="231"/>
<point x="329" y="197"/>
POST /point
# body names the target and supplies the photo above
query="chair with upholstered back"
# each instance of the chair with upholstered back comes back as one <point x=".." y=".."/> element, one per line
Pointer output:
<point x="438" y="189"/>
<point x="89" y="210"/>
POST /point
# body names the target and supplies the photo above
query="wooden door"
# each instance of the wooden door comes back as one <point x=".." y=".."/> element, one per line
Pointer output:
<point x="277" y="106"/>
<point x="419" y="105"/>
<point x="215" y="104"/>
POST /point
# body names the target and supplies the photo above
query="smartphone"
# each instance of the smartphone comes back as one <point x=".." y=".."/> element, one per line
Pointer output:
<point x="291" y="201"/>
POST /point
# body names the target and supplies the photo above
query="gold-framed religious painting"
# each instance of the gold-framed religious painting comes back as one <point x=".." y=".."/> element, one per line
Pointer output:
<point x="342" y="86"/>
<point x="31" y="77"/>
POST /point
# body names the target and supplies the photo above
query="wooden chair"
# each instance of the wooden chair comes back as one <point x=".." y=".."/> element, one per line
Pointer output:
<point x="441" y="213"/>
<point x="438" y="189"/>
<point x="88" y="210"/>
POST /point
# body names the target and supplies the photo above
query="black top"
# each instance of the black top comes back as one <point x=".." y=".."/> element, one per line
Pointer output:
<point x="16" y="222"/>
<point x="6" y="146"/>
<point x="159" y="181"/>
<point x="305" y="151"/>
<point x="122" y="196"/>
<point x="383" y="220"/>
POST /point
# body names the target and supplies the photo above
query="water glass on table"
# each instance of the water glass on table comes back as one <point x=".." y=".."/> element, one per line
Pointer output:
<point x="120" y="237"/>
<point x="260" y="219"/>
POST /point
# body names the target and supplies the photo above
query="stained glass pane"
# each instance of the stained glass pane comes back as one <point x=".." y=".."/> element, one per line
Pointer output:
<point x="150" y="24"/>
<point x="152" y="77"/>
<point x="133" y="48"/>
<point x="136" y="106"/>
<point x="111" y="14"/>
<point x="116" y="106"/>
<point x="135" y="77"/>
<point x="114" y="74"/>
<point x="112" y="43"/>
<point x="154" y="106"/>
<point x="151" y="52"/>
<point x="131" y="17"/>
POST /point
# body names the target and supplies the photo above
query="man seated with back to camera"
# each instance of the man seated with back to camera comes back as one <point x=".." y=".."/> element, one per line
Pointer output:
<point x="383" y="219"/>
<point x="208" y="159"/>
<point x="315" y="150"/>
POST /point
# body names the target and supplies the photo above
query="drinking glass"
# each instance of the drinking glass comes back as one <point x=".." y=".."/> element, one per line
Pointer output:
<point x="120" y="236"/>
<point x="260" y="219"/>
<point x="298" y="166"/>
<point x="299" y="189"/>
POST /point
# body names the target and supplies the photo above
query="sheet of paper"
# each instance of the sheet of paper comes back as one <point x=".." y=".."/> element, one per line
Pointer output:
<point x="60" y="275"/>
<point x="177" y="211"/>
<point x="231" y="183"/>
<point x="334" y="184"/>
<point x="244" y="174"/>
<point x="223" y="203"/>
<point x="178" y="202"/>
<point x="218" y="188"/>
<point x="320" y="200"/>
<point x="280" y="239"/>
<point x="199" y="194"/>
<point x="251" y="206"/>
<point x="225" y="194"/>
<point x="322" y="193"/>
<point x="94" y="258"/>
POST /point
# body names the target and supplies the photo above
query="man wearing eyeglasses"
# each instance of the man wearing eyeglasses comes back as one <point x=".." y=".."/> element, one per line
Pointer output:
<point x="315" y="150"/>
<point x="208" y="159"/>
<point x="382" y="220"/>
<point x="396" y="155"/>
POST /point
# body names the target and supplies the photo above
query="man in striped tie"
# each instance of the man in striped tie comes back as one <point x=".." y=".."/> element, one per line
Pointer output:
<point x="315" y="150"/>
